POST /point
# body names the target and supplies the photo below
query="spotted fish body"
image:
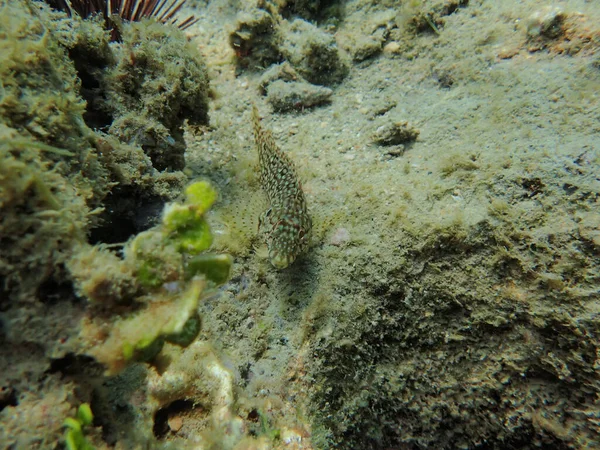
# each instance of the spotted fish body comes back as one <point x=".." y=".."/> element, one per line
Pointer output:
<point x="286" y="222"/>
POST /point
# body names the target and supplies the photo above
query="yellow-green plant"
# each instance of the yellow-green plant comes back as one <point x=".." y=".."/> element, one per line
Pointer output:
<point x="173" y="269"/>
<point x="175" y="250"/>
<point x="74" y="434"/>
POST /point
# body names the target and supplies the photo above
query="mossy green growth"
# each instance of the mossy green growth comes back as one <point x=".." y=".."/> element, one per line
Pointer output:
<point x="194" y="239"/>
<point x="172" y="271"/>
<point x="143" y="350"/>
<point x="84" y="414"/>
<point x="185" y="223"/>
<point x="216" y="268"/>
<point x="174" y="250"/>
<point x="159" y="80"/>
<point x="157" y="261"/>
<point x="187" y="305"/>
<point x="148" y="274"/>
<point x="74" y="435"/>
<point x="201" y="195"/>
<point x="160" y="254"/>
<point x="177" y="217"/>
<point x="267" y="429"/>
<point x="188" y="333"/>
<point x="173" y="320"/>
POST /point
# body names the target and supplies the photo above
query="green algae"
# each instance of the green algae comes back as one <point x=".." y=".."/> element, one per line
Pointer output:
<point x="74" y="435"/>
<point x="70" y="194"/>
<point x="216" y="268"/>
<point x="459" y="310"/>
<point x="21" y="143"/>
<point x="158" y="81"/>
<point x="172" y="277"/>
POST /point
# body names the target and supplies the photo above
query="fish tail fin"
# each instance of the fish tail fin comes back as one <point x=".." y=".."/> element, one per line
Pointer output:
<point x="256" y="120"/>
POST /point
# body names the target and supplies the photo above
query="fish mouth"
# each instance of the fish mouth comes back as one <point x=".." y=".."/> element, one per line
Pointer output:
<point x="280" y="261"/>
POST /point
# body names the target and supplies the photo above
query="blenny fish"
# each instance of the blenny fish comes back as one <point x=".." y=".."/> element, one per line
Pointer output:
<point x="286" y="223"/>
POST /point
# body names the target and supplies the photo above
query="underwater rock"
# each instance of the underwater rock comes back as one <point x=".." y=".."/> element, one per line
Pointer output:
<point x="254" y="39"/>
<point x="286" y="90"/>
<point x="395" y="133"/>
<point x="296" y="95"/>
<point x="313" y="52"/>
<point x="141" y="91"/>
<point x="102" y="277"/>
<point x="45" y="202"/>
<point x="283" y="71"/>
<point x="362" y="47"/>
<point x="546" y="23"/>
<point x="169" y="284"/>
<point x="159" y="81"/>
<point x="56" y="174"/>
<point x="363" y="36"/>
<point x="307" y="9"/>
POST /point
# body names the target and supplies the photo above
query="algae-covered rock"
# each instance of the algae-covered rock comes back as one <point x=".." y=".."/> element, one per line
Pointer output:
<point x="395" y="133"/>
<point x="283" y="72"/>
<point x="157" y="83"/>
<point x="47" y="63"/>
<point x="64" y="185"/>
<point x="286" y="90"/>
<point x="44" y="147"/>
<point x="546" y="23"/>
<point x="313" y="52"/>
<point x="363" y="47"/>
<point x="314" y="10"/>
<point x="140" y="336"/>
<point x="262" y="38"/>
<point x="284" y="96"/>
<point x="102" y="277"/>
<point x="39" y="90"/>
<point x="254" y="39"/>
<point x="449" y="337"/>
<point x="140" y="90"/>
<point x="170" y="270"/>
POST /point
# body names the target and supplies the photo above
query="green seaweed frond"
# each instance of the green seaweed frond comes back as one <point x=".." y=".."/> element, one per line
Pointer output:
<point x="74" y="434"/>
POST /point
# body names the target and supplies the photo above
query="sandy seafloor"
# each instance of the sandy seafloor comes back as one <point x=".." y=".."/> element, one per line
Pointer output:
<point x="514" y="115"/>
<point x="449" y="297"/>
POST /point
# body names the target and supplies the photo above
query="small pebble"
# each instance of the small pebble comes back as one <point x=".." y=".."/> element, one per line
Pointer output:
<point x="175" y="423"/>
<point x="395" y="133"/>
<point x="340" y="237"/>
<point x="284" y="96"/>
<point x="391" y="48"/>
<point x="547" y="22"/>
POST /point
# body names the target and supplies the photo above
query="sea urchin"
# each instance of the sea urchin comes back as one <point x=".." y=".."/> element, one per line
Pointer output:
<point x="165" y="11"/>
